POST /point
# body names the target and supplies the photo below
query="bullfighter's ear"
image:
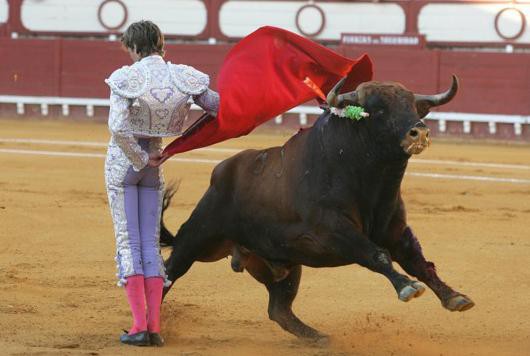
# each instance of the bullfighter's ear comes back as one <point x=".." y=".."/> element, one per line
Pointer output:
<point x="425" y="102"/>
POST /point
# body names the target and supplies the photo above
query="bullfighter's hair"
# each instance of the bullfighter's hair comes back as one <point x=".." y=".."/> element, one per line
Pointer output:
<point x="145" y="37"/>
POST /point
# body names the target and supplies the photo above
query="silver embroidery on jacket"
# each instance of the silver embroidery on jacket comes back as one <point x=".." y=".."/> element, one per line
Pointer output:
<point x="159" y="94"/>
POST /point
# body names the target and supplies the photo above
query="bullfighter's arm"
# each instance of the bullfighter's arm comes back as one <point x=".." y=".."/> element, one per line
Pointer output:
<point x="121" y="131"/>
<point x="208" y="100"/>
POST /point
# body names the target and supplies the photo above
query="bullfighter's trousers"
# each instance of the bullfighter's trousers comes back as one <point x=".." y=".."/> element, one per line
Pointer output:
<point x="135" y="200"/>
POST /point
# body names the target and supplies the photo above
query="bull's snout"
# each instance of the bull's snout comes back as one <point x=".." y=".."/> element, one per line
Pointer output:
<point x="416" y="140"/>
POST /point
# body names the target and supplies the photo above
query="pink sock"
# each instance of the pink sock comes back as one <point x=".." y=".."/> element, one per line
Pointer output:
<point x="136" y="297"/>
<point x="153" y="295"/>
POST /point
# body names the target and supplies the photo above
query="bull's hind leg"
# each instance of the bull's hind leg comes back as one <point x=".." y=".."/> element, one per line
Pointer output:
<point x="194" y="242"/>
<point x="181" y="259"/>
<point x="198" y="239"/>
<point x="407" y="252"/>
<point x="281" y="297"/>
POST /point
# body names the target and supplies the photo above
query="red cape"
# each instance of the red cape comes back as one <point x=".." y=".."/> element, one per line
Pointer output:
<point x="265" y="75"/>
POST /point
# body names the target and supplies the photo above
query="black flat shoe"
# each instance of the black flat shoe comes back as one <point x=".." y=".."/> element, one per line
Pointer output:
<point x="139" y="339"/>
<point x="156" y="339"/>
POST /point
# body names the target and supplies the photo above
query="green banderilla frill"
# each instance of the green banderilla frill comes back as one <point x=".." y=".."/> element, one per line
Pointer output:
<point x="355" y="112"/>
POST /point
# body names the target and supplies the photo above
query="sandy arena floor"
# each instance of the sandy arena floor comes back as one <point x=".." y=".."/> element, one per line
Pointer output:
<point x="58" y="293"/>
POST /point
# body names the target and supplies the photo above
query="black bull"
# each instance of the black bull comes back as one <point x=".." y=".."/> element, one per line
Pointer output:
<point x="330" y="196"/>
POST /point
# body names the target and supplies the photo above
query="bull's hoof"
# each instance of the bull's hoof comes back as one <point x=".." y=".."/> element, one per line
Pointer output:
<point x="414" y="290"/>
<point x="459" y="302"/>
<point x="321" y="340"/>
<point x="315" y="338"/>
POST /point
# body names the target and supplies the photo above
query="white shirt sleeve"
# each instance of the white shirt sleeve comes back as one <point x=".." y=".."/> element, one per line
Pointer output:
<point x="209" y="101"/>
<point x="120" y="129"/>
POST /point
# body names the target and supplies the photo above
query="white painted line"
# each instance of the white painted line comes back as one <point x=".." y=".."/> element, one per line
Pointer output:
<point x="97" y="155"/>
<point x="99" y="144"/>
<point x="213" y="161"/>
<point x="235" y="150"/>
<point x="475" y="178"/>
<point x="217" y="150"/>
<point x="52" y="153"/>
<point x="195" y="160"/>
<point x="53" y="142"/>
<point x="470" y="164"/>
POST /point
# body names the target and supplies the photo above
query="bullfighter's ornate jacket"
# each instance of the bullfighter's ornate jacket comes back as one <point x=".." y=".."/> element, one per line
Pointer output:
<point x="152" y="98"/>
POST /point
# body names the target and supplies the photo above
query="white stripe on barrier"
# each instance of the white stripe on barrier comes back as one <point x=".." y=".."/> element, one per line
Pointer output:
<point x="212" y="161"/>
<point x="302" y="109"/>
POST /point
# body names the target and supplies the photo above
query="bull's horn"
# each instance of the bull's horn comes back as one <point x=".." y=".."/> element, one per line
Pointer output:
<point x="335" y="100"/>
<point x="425" y="102"/>
<point x="333" y="94"/>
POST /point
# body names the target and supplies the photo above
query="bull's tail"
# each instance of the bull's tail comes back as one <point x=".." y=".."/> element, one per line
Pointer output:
<point x="166" y="237"/>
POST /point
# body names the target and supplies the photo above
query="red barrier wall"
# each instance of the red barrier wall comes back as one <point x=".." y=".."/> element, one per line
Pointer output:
<point x="493" y="83"/>
<point x="29" y="66"/>
<point x="85" y="64"/>
<point x="490" y="83"/>
<point x="416" y="68"/>
<point x="77" y="68"/>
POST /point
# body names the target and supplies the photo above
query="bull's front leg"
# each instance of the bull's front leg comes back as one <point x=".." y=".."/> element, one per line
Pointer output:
<point x="344" y="246"/>
<point x="408" y="253"/>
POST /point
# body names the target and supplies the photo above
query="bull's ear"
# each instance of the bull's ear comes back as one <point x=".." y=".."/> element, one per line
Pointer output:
<point x="425" y="102"/>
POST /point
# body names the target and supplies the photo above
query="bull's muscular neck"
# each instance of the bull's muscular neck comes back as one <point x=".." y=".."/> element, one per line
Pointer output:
<point x="359" y="173"/>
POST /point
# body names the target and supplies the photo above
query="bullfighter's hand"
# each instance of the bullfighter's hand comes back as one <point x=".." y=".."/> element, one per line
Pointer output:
<point x="156" y="159"/>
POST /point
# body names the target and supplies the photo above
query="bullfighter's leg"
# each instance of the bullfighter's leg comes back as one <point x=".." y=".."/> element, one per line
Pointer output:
<point x="345" y="247"/>
<point x="150" y="199"/>
<point x="281" y="297"/>
<point x="408" y="253"/>
<point x="150" y="196"/>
